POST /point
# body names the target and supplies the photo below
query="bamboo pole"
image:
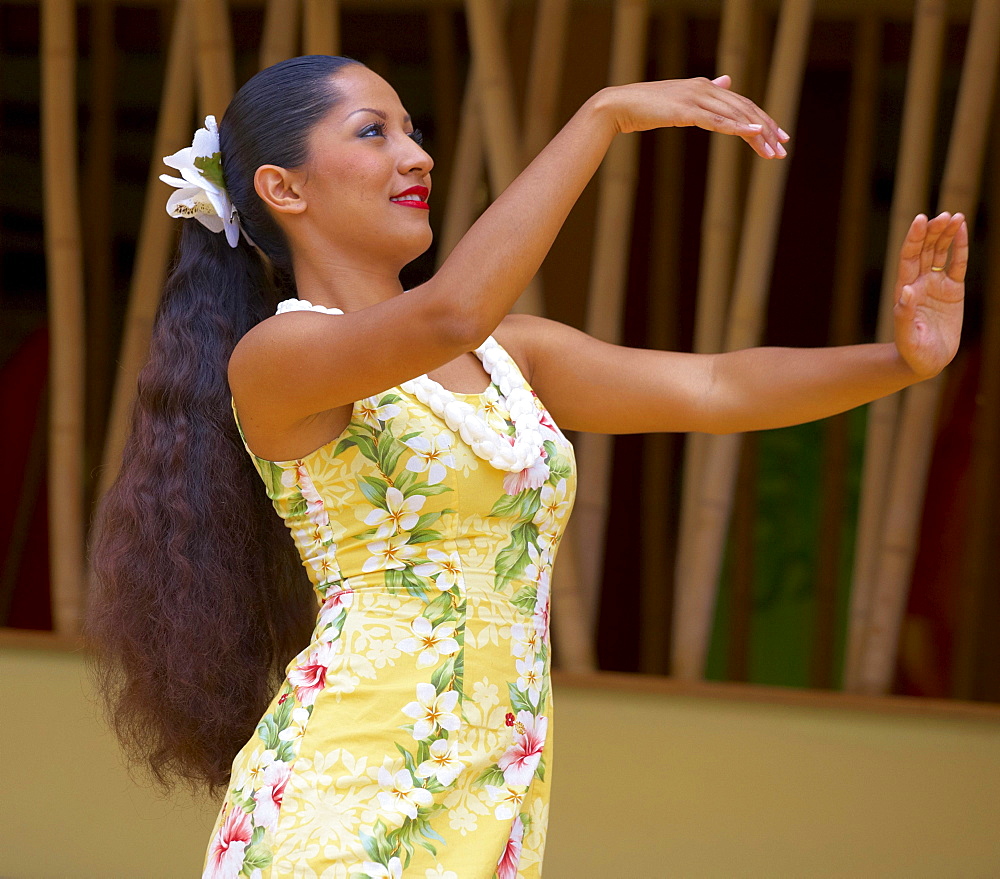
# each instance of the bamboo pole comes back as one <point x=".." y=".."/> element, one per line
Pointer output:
<point x="64" y="264"/>
<point x="98" y="233"/>
<point x="912" y="453"/>
<point x="465" y="189"/>
<point x="605" y="302"/>
<point x="214" y="53"/>
<point x="908" y="198"/>
<point x="719" y="232"/>
<point x="156" y="237"/>
<point x="979" y="563"/>
<point x="280" y="37"/>
<point x="701" y="557"/>
<point x="445" y="76"/>
<point x="544" y="75"/>
<point x="658" y="525"/>
<point x="497" y="115"/>
<point x="321" y="27"/>
<point x="848" y="282"/>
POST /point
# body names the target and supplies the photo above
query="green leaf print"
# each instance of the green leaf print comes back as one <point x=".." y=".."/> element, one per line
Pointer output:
<point x="256" y="857"/>
<point x="257" y="835"/>
<point x="441" y="678"/>
<point x="343" y="446"/>
<point x="271" y="473"/>
<point x="405" y="481"/>
<point x="268" y="733"/>
<point x="389" y="398"/>
<point x="391" y="455"/>
<point x="439" y="610"/>
<point x="492" y="776"/>
<point x="426" y="489"/>
<point x="540" y="769"/>
<point x="513" y="558"/>
<point x="366" y="446"/>
<point x="424" y="536"/>
<point x="377" y="845"/>
<point x="518" y="700"/>
<point x="525" y="598"/>
<point x="508" y="504"/>
<point x="427" y="519"/>
<point x="408" y="759"/>
<point x="374" y="490"/>
<point x="298" y="506"/>
<point x="393" y="580"/>
<point x="530" y="504"/>
<point x="414" y="585"/>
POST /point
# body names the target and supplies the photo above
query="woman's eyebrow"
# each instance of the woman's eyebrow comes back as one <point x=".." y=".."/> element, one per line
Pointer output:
<point x="378" y="113"/>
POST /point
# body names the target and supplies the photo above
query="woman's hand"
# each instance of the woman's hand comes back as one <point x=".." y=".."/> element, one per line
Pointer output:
<point x="709" y="104"/>
<point x="930" y="292"/>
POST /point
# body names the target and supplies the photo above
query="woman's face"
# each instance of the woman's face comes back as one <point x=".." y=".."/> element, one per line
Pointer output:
<point x="362" y="158"/>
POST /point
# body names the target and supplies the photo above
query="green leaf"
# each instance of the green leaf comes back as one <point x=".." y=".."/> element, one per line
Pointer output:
<point x="493" y="775"/>
<point x="257" y="835"/>
<point x="518" y="700"/>
<point x="507" y="505"/>
<point x="366" y="447"/>
<point x="298" y="507"/>
<point x="407" y="758"/>
<point x="425" y="536"/>
<point x="344" y="445"/>
<point x="414" y="585"/>
<point x="540" y="769"/>
<point x="393" y="580"/>
<point x="438" y="608"/>
<point x="374" y="490"/>
<point x="426" y="489"/>
<point x="442" y="675"/>
<point x="392" y="454"/>
<point x="530" y="503"/>
<point x="211" y="168"/>
<point x="256" y="857"/>
<point x="404" y="480"/>
<point x="389" y="398"/>
<point x="511" y="560"/>
<point x="425" y="520"/>
<point x="525" y="598"/>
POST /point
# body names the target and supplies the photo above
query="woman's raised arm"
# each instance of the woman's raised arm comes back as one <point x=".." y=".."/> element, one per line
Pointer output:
<point x="500" y="254"/>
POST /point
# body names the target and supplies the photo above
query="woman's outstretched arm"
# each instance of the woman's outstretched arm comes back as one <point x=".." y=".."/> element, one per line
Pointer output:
<point x="499" y="255"/>
<point x="590" y="385"/>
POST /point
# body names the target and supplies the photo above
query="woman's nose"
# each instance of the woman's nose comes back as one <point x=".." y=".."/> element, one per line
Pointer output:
<point x="416" y="158"/>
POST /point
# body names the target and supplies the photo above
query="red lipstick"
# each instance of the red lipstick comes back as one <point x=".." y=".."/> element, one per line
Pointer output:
<point x="414" y="197"/>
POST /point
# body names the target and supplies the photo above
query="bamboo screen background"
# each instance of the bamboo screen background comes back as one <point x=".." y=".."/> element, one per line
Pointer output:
<point x="856" y="553"/>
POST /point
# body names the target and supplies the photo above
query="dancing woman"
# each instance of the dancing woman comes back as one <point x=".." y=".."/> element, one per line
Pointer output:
<point x="366" y="674"/>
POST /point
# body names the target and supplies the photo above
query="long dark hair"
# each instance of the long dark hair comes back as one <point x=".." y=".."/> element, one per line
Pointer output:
<point x="198" y="599"/>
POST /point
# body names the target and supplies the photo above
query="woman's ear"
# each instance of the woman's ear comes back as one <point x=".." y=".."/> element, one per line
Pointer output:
<point x="280" y="189"/>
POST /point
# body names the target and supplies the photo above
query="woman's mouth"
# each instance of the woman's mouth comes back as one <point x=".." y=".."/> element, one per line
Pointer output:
<point x="414" y="197"/>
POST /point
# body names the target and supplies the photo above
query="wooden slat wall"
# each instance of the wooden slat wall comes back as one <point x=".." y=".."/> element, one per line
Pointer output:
<point x="493" y="137"/>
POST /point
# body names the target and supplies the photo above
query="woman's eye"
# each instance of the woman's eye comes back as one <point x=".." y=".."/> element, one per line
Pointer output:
<point x="417" y="135"/>
<point x="375" y="128"/>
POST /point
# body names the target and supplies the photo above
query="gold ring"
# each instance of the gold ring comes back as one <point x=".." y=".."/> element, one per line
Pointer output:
<point x="937" y="268"/>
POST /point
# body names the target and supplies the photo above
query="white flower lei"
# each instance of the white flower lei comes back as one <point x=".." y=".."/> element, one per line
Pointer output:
<point x="201" y="188"/>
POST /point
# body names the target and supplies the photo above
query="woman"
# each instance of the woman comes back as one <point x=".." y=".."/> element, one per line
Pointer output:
<point x="406" y="728"/>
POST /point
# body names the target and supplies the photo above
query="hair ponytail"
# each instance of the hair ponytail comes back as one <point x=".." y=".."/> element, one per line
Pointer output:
<point x="198" y="598"/>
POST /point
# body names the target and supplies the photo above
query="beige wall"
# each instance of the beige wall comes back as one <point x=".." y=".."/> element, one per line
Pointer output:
<point x="646" y="785"/>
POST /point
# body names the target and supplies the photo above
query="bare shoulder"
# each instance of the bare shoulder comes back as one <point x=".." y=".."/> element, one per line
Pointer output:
<point x="524" y="337"/>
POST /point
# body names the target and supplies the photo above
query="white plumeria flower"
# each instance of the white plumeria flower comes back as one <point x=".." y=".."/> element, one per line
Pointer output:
<point x="388" y="554"/>
<point x="530" y="679"/>
<point x="201" y="189"/>
<point x="507" y="800"/>
<point x="492" y="411"/>
<point x="432" y="454"/>
<point x="538" y="561"/>
<point x="444" y="763"/>
<point x="402" y="513"/>
<point x="553" y="506"/>
<point x="371" y="412"/>
<point x="378" y="871"/>
<point x="297" y="728"/>
<point x="431" y="711"/>
<point x="432" y="643"/>
<point x="524" y="640"/>
<point x="399" y="795"/>
<point x="445" y="568"/>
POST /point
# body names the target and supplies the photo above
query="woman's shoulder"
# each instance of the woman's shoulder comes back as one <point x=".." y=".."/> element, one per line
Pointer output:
<point x="523" y="336"/>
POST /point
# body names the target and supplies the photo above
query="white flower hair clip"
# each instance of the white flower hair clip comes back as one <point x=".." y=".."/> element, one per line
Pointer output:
<point x="202" y="191"/>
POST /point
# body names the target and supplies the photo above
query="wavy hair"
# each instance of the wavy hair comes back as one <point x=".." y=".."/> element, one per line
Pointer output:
<point x="198" y="599"/>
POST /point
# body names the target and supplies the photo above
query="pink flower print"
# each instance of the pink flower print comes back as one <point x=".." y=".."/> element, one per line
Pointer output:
<point x="225" y="859"/>
<point x="507" y="865"/>
<point x="521" y="760"/>
<point x="309" y="677"/>
<point x="268" y="798"/>
<point x="530" y="477"/>
<point x="545" y="420"/>
<point x="299" y="476"/>
<point x="542" y="607"/>
<point x="335" y="602"/>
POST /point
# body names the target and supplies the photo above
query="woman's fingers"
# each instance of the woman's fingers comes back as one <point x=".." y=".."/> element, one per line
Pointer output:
<point x="934" y="229"/>
<point x="751" y="123"/>
<point x="945" y="240"/>
<point x="960" y="255"/>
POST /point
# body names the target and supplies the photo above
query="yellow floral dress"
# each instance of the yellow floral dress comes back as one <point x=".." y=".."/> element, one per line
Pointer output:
<point x="412" y="736"/>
